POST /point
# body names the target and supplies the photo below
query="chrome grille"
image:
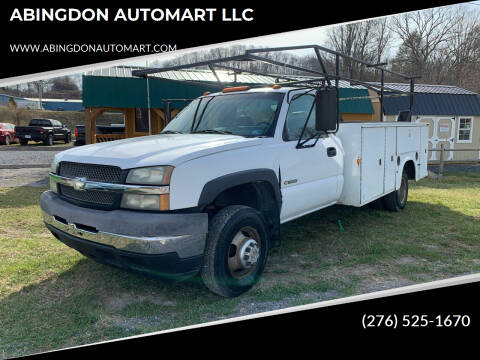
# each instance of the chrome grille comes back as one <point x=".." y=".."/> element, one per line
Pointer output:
<point x="93" y="172"/>
<point x="102" y="198"/>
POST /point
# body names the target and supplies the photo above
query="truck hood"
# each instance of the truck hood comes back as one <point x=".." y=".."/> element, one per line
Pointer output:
<point x="163" y="149"/>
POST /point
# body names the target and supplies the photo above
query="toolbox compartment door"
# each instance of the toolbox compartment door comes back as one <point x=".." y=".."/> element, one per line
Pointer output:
<point x="372" y="163"/>
<point x="390" y="159"/>
<point x="422" y="163"/>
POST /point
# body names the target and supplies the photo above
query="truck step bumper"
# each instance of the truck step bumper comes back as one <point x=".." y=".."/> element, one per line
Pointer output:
<point x="122" y="235"/>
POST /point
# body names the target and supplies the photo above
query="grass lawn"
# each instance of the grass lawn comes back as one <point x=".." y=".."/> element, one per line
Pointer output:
<point x="53" y="297"/>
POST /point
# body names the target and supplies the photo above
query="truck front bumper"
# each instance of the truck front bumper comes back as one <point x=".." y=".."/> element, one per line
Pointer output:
<point x="168" y="245"/>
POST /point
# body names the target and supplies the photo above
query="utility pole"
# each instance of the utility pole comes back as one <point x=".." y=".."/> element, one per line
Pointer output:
<point x="39" y="85"/>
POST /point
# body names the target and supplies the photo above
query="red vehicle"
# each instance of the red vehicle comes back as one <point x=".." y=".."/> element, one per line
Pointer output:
<point x="7" y="133"/>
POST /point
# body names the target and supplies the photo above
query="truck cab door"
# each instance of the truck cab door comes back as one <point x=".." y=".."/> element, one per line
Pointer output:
<point x="311" y="177"/>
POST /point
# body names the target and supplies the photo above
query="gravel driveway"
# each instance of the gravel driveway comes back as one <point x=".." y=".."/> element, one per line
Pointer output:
<point x="25" y="168"/>
<point x="38" y="158"/>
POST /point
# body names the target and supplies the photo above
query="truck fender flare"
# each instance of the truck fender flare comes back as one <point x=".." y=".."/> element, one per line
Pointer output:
<point x="402" y="166"/>
<point x="215" y="187"/>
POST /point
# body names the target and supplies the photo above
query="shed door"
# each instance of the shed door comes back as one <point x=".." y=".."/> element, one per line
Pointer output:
<point x="372" y="163"/>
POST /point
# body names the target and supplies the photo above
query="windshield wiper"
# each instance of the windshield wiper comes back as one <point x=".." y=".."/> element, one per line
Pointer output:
<point x="211" y="131"/>
<point x="171" y="132"/>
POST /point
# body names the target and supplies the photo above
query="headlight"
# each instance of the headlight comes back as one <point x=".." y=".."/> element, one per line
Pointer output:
<point x="145" y="202"/>
<point x="156" y="175"/>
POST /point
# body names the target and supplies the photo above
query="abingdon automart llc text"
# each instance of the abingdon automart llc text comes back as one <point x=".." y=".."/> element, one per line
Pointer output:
<point x="130" y="14"/>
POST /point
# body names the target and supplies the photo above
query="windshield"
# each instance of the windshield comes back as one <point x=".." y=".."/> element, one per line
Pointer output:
<point x="246" y="114"/>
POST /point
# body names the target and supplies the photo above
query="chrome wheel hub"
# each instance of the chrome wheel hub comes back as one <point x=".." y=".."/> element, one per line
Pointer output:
<point x="244" y="252"/>
<point x="249" y="253"/>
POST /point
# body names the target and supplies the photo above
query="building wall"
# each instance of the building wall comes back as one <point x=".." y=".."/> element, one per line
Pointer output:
<point x="357" y="117"/>
<point x="21" y="102"/>
<point x="443" y="130"/>
<point x="375" y="104"/>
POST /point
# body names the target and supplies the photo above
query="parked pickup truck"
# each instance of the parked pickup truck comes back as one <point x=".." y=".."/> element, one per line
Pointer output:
<point x="101" y="129"/>
<point x="43" y="130"/>
<point x="209" y="193"/>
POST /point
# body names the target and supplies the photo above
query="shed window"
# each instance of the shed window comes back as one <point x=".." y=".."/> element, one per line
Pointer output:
<point x="141" y="120"/>
<point x="465" y="130"/>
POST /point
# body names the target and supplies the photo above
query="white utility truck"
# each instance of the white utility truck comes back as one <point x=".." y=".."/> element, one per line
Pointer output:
<point x="209" y="193"/>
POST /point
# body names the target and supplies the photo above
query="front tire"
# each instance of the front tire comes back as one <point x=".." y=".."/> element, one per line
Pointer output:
<point x="396" y="200"/>
<point x="68" y="138"/>
<point x="236" y="251"/>
<point x="7" y="140"/>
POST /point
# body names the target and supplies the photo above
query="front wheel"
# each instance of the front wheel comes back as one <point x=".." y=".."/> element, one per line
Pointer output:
<point x="236" y="251"/>
<point x="68" y="138"/>
<point x="396" y="200"/>
<point x="7" y="140"/>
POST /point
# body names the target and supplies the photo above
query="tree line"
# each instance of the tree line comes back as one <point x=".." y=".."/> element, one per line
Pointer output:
<point x="63" y="87"/>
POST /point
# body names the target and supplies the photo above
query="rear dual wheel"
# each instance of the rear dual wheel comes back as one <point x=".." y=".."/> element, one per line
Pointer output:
<point x="236" y="251"/>
<point x="396" y="201"/>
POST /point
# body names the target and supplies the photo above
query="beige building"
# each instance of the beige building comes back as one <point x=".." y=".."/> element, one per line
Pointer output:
<point x="452" y="113"/>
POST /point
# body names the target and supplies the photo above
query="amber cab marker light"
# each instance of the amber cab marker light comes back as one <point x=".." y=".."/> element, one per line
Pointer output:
<point x="276" y="86"/>
<point x="236" y="88"/>
<point x="206" y="93"/>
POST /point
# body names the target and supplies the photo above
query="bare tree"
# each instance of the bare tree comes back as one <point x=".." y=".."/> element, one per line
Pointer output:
<point x="366" y="40"/>
<point x="422" y="35"/>
<point x="459" y="63"/>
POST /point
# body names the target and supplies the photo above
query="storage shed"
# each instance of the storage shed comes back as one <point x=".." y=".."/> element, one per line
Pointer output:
<point x="22" y="103"/>
<point x="115" y="89"/>
<point x="453" y="115"/>
<point x="62" y="104"/>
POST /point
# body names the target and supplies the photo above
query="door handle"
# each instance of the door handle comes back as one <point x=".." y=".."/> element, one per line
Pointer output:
<point x="331" y="151"/>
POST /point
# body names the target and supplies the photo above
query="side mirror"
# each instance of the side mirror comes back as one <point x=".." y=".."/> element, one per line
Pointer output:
<point x="326" y="110"/>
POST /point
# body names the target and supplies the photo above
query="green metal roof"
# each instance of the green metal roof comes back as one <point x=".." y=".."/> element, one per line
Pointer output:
<point x="356" y="106"/>
<point x="116" y="87"/>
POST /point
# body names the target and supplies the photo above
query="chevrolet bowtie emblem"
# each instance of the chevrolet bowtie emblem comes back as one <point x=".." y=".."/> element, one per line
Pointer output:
<point x="79" y="183"/>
